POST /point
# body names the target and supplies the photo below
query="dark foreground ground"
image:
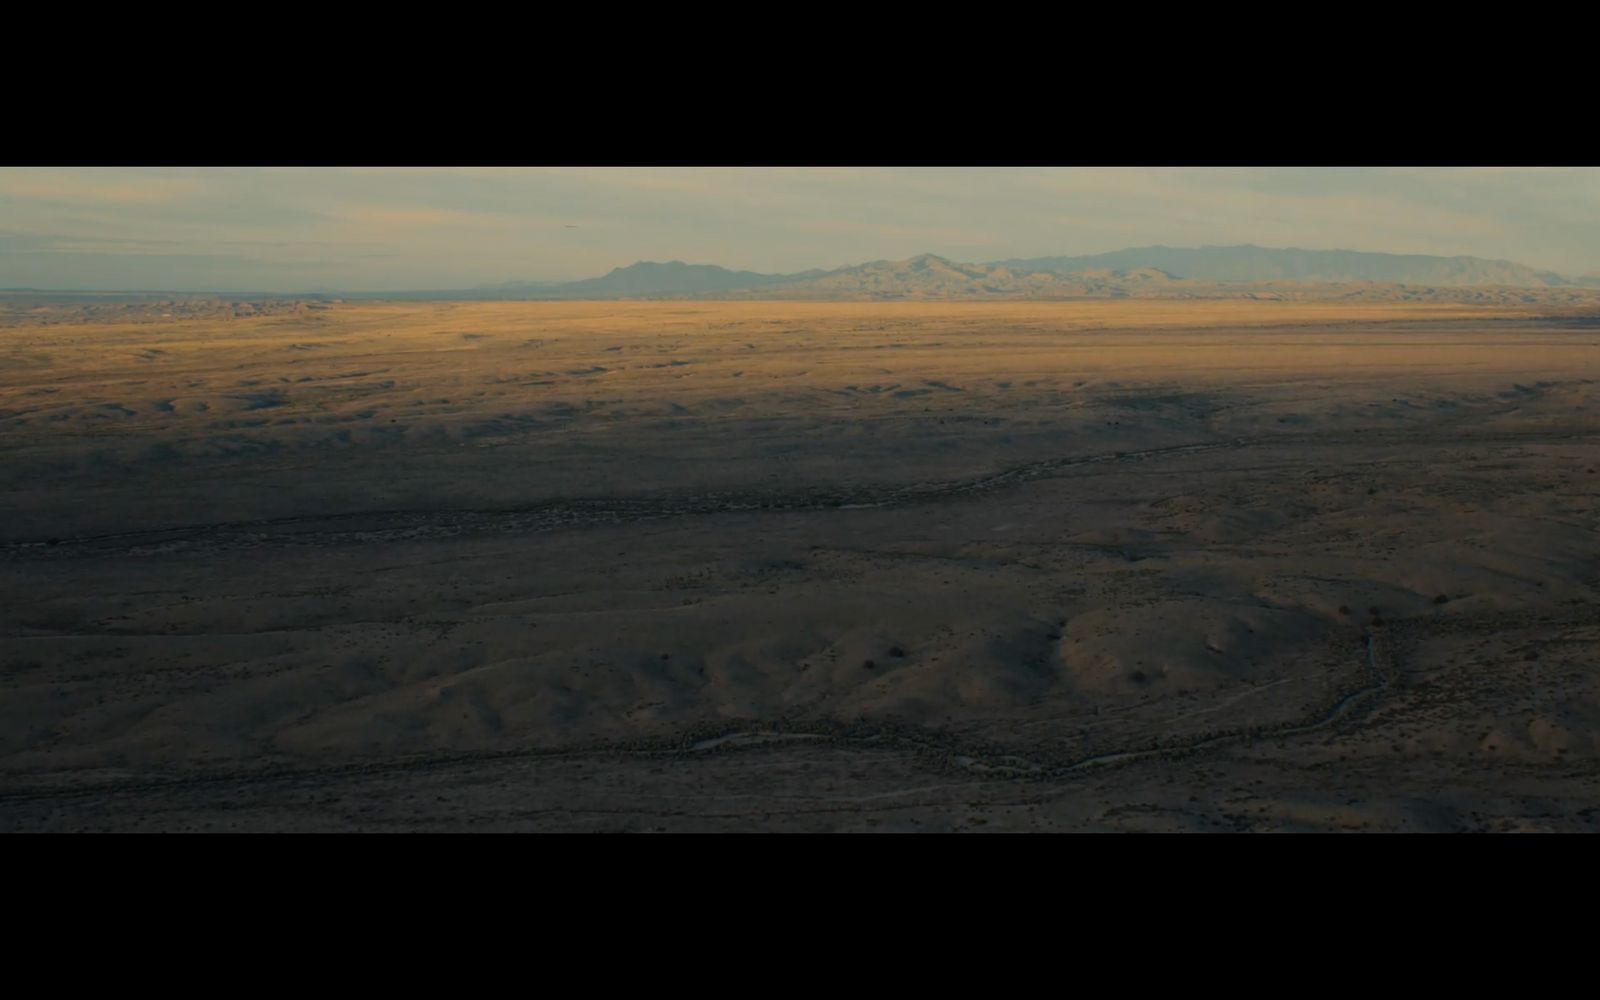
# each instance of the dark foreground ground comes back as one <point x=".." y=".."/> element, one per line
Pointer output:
<point x="673" y="567"/>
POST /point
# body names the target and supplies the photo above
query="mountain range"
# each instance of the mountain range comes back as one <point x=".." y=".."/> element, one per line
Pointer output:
<point x="1252" y="263"/>
<point x="1156" y="271"/>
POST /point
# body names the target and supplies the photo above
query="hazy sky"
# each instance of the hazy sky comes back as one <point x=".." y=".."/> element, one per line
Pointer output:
<point x="390" y="228"/>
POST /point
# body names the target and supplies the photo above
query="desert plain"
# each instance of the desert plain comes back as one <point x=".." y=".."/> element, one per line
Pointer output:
<point x="834" y="566"/>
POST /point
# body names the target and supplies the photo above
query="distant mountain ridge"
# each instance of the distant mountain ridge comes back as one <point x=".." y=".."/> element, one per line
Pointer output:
<point x="1253" y="263"/>
<point x="1157" y="271"/>
<point x="1130" y="271"/>
<point x="674" y="277"/>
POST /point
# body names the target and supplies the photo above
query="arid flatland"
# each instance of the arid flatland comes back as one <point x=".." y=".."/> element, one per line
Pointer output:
<point x="1099" y="565"/>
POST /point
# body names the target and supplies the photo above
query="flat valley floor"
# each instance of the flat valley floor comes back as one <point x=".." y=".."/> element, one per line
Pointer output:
<point x="679" y="566"/>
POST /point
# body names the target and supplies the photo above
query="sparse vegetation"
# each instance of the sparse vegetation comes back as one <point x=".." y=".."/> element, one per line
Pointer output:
<point x="480" y="542"/>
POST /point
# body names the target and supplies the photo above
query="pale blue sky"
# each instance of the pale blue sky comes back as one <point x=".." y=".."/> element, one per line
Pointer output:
<point x="389" y="229"/>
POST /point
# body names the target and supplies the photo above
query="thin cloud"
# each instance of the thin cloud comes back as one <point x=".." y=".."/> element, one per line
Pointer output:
<point x="376" y="228"/>
<point x="78" y="189"/>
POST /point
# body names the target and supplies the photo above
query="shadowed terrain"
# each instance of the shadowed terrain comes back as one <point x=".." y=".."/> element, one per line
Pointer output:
<point x="1114" y="565"/>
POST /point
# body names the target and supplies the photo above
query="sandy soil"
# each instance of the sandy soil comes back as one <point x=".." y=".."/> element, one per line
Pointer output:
<point x="831" y="566"/>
